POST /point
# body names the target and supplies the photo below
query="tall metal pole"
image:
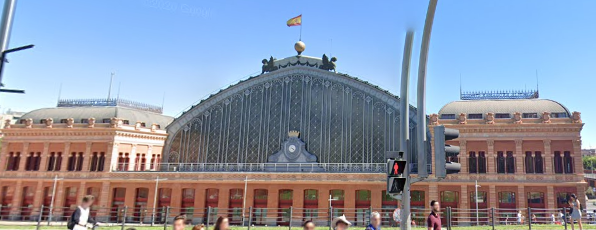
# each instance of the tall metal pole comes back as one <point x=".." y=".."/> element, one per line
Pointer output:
<point x="5" y="28"/>
<point x="476" y="200"/>
<point x="154" y="201"/>
<point x="52" y="201"/>
<point x="404" y="122"/>
<point x="421" y="108"/>
<point x="244" y="199"/>
<point x="110" y="88"/>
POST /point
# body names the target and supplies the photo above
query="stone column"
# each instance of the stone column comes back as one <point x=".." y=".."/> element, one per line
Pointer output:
<point x="133" y="158"/>
<point x="82" y="190"/>
<point x="43" y="164"/>
<point x="272" y="205"/>
<point x="104" y="204"/>
<point x="38" y="198"/>
<point x="522" y="203"/>
<point x="297" y="204"/>
<point x="433" y="193"/>
<point x="324" y="204"/>
<point x="464" y="203"/>
<point x="578" y="165"/>
<point x="111" y="157"/>
<point x="17" y="198"/>
<point x="65" y="156"/>
<point x="350" y="202"/>
<point x="4" y="156"/>
<point x="24" y="155"/>
<point x="224" y="199"/>
<point x="149" y="157"/>
<point x="463" y="156"/>
<point x="519" y="157"/>
<point x="87" y="156"/>
<point x="490" y="156"/>
<point x="548" y="158"/>
<point x="376" y="198"/>
<point x="550" y="197"/>
<point x="200" y="209"/>
<point x="492" y="196"/>
<point x="59" y="200"/>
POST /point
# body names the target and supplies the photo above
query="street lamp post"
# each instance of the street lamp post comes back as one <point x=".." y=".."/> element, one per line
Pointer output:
<point x="330" y="210"/>
<point x="52" y="201"/>
<point x="244" y="199"/>
<point x="155" y="200"/>
<point x="476" y="199"/>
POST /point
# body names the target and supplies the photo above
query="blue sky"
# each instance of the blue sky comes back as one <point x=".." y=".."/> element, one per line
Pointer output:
<point x="189" y="49"/>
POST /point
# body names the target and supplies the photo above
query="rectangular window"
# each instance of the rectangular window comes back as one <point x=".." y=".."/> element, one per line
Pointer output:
<point x="126" y="122"/>
<point x="481" y="162"/>
<point x="535" y="198"/>
<point x="502" y="115"/>
<point x="63" y="121"/>
<point x="538" y="162"/>
<point x="507" y="197"/>
<point x="558" y="162"/>
<point x="529" y="162"/>
<point x="559" y="115"/>
<point x="530" y="115"/>
<point x="500" y="162"/>
<point x="473" y="163"/>
<point x="106" y="120"/>
<point x="475" y="116"/>
<point x="481" y="197"/>
<point x="85" y="120"/>
<point x="448" y="116"/>
<point x="568" y="162"/>
<point x="510" y="162"/>
<point x="417" y="195"/>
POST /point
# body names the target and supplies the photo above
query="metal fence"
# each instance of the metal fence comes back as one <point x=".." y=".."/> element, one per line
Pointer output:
<point x="261" y="167"/>
<point x="291" y="216"/>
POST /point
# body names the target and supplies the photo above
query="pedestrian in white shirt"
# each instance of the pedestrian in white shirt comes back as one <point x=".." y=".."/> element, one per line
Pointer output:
<point x="81" y="217"/>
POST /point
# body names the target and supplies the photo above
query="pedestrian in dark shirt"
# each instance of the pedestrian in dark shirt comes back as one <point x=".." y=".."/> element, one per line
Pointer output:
<point x="434" y="220"/>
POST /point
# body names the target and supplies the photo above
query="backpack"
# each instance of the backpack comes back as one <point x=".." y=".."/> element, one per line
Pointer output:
<point x="70" y="223"/>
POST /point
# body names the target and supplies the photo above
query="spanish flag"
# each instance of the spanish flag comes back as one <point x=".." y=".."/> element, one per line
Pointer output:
<point x="295" y="21"/>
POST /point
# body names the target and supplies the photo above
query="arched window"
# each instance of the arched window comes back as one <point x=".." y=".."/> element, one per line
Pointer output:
<point x="311" y="203"/>
<point x="538" y="162"/>
<point x="337" y="201"/>
<point x="94" y="160"/>
<point x="80" y="162"/>
<point x="510" y="162"/>
<point x="568" y="162"/>
<point x="558" y="162"/>
<point x="529" y="162"/>
<point x="500" y="162"/>
<point x="473" y="163"/>
<point x="51" y="162"/>
<point x="72" y="159"/>
<point x="481" y="162"/>
<point x="102" y="162"/>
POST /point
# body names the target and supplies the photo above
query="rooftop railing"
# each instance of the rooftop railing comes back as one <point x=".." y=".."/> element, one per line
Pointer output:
<point x="109" y="102"/>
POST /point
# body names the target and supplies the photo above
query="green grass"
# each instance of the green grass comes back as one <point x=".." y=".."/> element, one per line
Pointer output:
<point x="508" y="227"/>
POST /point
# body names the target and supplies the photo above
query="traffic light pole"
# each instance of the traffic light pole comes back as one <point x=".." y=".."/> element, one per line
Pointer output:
<point x="404" y="123"/>
<point x="404" y="112"/>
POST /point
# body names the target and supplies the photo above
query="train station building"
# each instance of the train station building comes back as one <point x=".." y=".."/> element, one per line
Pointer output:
<point x="299" y="138"/>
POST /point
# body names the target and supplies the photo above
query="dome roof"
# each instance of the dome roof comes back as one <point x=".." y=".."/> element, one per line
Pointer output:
<point x="504" y="106"/>
<point x="99" y="113"/>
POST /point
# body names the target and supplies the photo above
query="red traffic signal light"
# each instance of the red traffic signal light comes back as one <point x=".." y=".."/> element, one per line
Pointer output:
<point x="395" y="167"/>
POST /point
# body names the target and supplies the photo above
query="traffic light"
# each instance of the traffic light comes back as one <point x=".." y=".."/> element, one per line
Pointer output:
<point x="443" y="151"/>
<point x="396" y="181"/>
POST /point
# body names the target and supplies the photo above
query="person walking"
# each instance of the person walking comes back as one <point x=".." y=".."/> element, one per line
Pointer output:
<point x="308" y="225"/>
<point x="375" y="221"/>
<point x="520" y="218"/>
<point x="222" y="223"/>
<point x="576" y="212"/>
<point x="81" y="217"/>
<point x="340" y="223"/>
<point x="179" y="222"/>
<point x="433" y="222"/>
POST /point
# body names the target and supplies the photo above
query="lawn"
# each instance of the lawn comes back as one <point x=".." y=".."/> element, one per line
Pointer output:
<point x="508" y="227"/>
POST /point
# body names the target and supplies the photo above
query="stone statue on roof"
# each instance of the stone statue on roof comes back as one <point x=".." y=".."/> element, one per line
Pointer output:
<point x="328" y="64"/>
<point x="268" y="66"/>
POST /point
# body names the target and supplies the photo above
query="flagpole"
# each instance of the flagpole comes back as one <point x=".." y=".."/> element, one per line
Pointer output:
<point x="300" y="28"/>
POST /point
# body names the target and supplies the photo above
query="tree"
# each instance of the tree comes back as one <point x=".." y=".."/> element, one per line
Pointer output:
<point x="589" y="162"/>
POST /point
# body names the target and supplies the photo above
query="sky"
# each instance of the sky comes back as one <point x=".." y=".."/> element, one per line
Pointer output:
<point x="177" y="52"/>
